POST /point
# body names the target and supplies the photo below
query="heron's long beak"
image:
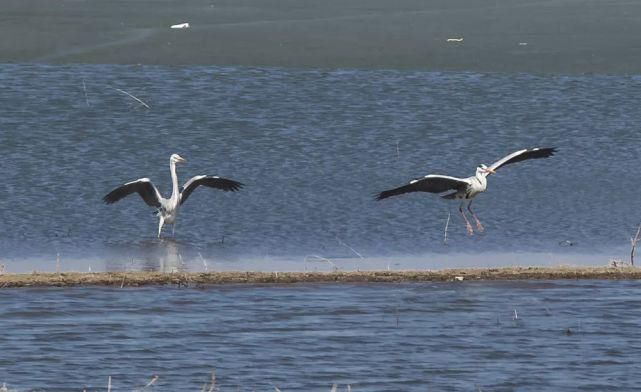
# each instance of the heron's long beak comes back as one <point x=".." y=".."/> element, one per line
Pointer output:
<point x="490" y="170"/>
<point x="182" y="160"/>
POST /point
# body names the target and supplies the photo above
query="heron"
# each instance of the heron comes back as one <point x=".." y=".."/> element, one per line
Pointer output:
<point x="167" y="209"/>
<point x="466" y="189"/>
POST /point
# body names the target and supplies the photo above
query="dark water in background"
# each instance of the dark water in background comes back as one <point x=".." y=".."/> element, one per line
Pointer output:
<point x="409" y="337"/>
<point x="312" y="148"/>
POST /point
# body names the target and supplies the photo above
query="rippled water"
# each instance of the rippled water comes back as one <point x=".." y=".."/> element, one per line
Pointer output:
<point x="566" y="335"/>
<point x="312" y="147"/>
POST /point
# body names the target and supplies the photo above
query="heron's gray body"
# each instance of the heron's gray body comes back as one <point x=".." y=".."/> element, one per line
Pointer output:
<point x="475" y="185"/>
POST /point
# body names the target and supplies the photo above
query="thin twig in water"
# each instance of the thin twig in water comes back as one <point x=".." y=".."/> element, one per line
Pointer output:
<point x="213" y="381"/>
<point x="180" y="258"/>
<point x="136" y="98"/>
<point x="349" y="247"/>
<point x="634" y="242"/>
<point x="204" y="262"/>
<point x="447" y="224"/>
<point x="151" y="382"/>
<point x="109" y="384"/>
<point x="320" y="258"/>
<point x="84" y="87"/>
<point x="212" y="384"/>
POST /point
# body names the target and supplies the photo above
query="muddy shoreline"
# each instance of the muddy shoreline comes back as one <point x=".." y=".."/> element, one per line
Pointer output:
<point x="142" y="278"/>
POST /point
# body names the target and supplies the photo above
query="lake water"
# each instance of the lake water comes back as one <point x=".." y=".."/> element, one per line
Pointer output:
<point x="312" y="147"/>
<point x="500" y="336"/>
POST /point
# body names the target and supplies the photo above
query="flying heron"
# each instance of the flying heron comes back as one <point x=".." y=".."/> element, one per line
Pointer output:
<point x="466" y="188"/>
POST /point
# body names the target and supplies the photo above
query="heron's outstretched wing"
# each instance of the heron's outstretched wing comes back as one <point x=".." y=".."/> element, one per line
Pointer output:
<point x="432" y="183"/>
<point x="209" y="181"/>
<point x="523" y="155"/>
<point x="142" y="186"/>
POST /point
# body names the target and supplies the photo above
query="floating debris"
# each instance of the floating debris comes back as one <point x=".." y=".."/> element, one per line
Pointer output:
<point x="455" y="39"/>
<point x="180" y="26"/>
<point x="567" y="243"/>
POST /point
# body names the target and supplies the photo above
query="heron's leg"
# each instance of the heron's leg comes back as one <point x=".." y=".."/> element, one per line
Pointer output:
<point x="470" y="231"/>
<point x="160" y="224"/>
<point x="479" y="226"/>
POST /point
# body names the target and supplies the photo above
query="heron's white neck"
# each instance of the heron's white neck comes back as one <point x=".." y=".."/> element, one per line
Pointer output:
<point x="174" y="182"/>
<point x="481" y="175"/>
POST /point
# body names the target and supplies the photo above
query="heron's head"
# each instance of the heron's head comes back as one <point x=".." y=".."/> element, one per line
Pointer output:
<point x="175" y="158"/>
<point x="483" y="169"/>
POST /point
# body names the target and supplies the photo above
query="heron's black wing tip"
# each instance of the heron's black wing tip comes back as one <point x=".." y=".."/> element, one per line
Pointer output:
<point x="382" y="195"/>
<point x="235" y="186"/>
<point x="108" y="199"/>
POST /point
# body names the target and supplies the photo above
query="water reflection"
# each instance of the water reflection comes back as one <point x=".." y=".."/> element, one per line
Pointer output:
<point x="163" y="255"/>
<point x="169" y="255"/>
<point x="170" y="259"/>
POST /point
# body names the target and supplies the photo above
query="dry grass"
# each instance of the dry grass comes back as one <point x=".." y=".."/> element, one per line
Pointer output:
<point x="142" y="278"/>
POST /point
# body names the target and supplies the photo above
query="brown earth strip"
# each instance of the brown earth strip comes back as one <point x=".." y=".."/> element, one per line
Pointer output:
<point x="141" y="278"/>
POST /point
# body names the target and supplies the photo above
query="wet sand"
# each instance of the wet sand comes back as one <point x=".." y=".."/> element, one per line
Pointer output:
<point x="140" y="278"/>
<point x="556" y="36"/>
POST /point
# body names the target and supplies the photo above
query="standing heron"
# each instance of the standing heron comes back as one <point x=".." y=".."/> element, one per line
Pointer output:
<point x="466" y="188"/>
<point x="167" y="209"/>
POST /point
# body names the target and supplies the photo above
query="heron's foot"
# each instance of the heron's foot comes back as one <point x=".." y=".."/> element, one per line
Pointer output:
<point x="479" y="227"/>
<point x="470" y="231"/>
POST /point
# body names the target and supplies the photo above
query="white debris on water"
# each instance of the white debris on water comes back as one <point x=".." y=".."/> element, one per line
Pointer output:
<point x="180" y="26"/>
<point x="460" y="39"/>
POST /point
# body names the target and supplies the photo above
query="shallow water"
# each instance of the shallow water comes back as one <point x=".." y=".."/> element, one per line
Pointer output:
<point x="312" y="147"/>
<point x="498" y="336"/>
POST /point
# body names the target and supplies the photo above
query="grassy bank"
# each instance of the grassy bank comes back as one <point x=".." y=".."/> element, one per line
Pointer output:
<point x="142" y="278"/>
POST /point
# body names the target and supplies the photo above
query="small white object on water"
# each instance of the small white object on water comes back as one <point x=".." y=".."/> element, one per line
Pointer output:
<point x="516" y="316"/>
<point x="522" y="43"/>
<point x="459" y="278"/>
<point x="180" y="26"/>
<point x="455" y="39"/>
